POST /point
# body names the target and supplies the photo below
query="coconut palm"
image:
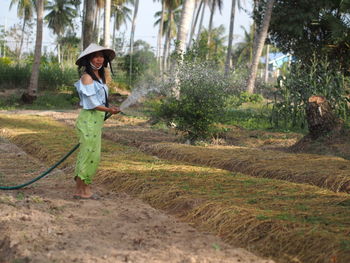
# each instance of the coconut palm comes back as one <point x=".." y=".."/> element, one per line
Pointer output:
<point x="243" y="51"/>
<point x="230" y="38"/>
<point x="106" y="28"/>
<point x="160" y="33"/>
<point x="31" y="94"/>
<point x="121" y="14"/>
<point x="133" y="27"/>
<point x="213" y="5"/>
<point x="25" y="10"/>
<point x="195" y="20"/>
<point x="260" y="45"/>
<point x="60" y="17"/>
<point x="185" y="23"/>
<point x="171" y="6"/>
<point x="88" y="22"/>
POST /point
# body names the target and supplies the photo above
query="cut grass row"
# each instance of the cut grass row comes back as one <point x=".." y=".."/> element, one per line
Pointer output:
<point x="320" y="170"/>
<point x="283" y="220"/>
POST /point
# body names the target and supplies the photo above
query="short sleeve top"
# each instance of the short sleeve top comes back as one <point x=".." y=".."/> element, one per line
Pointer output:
<point x="91" y="95"/>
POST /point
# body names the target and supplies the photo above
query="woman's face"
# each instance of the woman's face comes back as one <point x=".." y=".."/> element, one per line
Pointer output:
<point x="97" y="59"/>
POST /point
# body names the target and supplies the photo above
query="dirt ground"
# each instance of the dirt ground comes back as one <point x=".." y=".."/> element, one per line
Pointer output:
<point x="42" y="223"/>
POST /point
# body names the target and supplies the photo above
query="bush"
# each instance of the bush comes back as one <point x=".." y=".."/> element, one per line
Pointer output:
<point x="51" y="76"/>
<point x="201" y="102"/>
<point x="294" y="89"/>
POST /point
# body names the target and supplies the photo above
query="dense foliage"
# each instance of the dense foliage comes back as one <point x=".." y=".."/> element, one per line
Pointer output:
<point x="303" y="81"/>
<point x="307" y="27"/>
<point x="201" y="102"/>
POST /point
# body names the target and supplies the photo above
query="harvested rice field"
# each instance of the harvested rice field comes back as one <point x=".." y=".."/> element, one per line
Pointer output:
<point x="278" y="205"/>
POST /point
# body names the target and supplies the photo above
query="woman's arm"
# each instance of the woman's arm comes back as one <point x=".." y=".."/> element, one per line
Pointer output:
<point x="113" y="110"/>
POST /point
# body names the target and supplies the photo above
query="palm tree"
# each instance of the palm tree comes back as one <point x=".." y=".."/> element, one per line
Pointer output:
<point x="25" y="10"/>
<point x="107" y="18"/>
<point x="214" y="4"/>
<point x="244" y="50"/>
<point x="31" y="94"/>
<point x="160" y="33"/>
<point x="88" y="25"/>
<point x="230" y="38"/>
<point x="133" y="27"/>
<point x="121" y="15"/>
<point x="185" y="23"/>
<point x="204" y="2"/>
<point x="195" y="20"/>
<point x="171" y="6"/>
<point x="60" y="17"/>
<point x="260" y="45"/>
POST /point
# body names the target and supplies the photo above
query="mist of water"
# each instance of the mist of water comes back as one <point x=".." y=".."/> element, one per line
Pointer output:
<point x="137" y="94"/>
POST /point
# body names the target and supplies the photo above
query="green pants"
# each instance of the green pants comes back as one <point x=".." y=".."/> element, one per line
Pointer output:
<point x="89" y="127"/>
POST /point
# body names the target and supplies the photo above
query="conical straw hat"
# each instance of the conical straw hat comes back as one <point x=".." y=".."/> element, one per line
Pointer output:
<point x="92" y="48"/>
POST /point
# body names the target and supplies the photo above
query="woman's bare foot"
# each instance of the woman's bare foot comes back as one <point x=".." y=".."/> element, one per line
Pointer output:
<point x="81" y="189"/>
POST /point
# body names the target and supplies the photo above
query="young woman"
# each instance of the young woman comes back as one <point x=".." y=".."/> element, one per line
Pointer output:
<point x="93" y="94"/>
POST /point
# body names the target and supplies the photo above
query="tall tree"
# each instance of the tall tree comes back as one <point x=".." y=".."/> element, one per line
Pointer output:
<point x="184" y="28"/>
<point x="260" y="45"/>
<point x="170" y="22"/>
<point x="201" y="20"/>
<point x="195" y="20"/>
<point x="121" y="14"/>
<point x="231" y="35"/>
<point x="31" y="94"/>
<point x="160" y="35"/>
<point x="106" y="28"/>
<point x="90" y="6"/>
<point x="25" y="10"/>
<point x="133" y="28"/>
<point x="306" y="28"/>
<point x="214" y="4"/>
<point x="60" y="17"/>
<point x="230" y="39"/>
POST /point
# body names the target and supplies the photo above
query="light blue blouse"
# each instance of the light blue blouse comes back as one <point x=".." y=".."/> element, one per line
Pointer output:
<point x="91" y="95"/>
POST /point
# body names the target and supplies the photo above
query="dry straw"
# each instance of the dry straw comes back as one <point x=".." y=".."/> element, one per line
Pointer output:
<point x="283" y="220"/>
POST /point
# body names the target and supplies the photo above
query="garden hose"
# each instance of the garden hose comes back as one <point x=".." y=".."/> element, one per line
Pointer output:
<point x="48" y="170"/>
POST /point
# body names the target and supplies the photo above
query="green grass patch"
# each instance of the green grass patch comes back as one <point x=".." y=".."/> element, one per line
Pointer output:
<point x="46" y="101"/>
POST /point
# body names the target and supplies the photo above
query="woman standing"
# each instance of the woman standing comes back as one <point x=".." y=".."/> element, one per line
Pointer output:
<point x="93" y="94"/>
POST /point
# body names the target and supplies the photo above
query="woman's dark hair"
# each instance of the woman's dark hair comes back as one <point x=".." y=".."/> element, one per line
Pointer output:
<point x="85" y="63"/>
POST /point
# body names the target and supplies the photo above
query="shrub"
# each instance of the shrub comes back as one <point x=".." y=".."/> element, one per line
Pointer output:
<point x="200" y="104"/>
<point x="294" y="89"/>
<point x="51" y="76"/>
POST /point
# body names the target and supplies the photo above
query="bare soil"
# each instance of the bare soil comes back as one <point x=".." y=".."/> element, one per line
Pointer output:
<point x="42" y="223"/>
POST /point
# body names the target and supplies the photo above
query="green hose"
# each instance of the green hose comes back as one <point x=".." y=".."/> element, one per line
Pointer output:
<point x="48" y="170"/>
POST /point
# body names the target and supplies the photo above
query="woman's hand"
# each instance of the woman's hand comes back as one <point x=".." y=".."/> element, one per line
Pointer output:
<point x="114" y="110"/>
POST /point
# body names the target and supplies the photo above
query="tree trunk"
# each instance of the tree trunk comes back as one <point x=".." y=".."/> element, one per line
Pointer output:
<point x="159" y="40"/>
<point x="267" y="63"/>
<point x="201" y="21"/>
<point x="185" y="23"/>
<point x="31" y="94"/>
<point x="22" y="37"/>
<point x="260" y="45"/>
<point x="194" y="22"/>
<point x="320" y="117"/>
<point x="167" y="42"/>
<point x="88" y="23"/>
<point x="230" y="39"/>
<point x="114" y="29"/>
<point x="210" y="27"/>
<point x="107" y="33"/>
<point x="133" y="27"/>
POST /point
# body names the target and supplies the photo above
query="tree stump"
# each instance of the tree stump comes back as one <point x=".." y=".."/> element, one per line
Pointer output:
<point x="320" y="117"/>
